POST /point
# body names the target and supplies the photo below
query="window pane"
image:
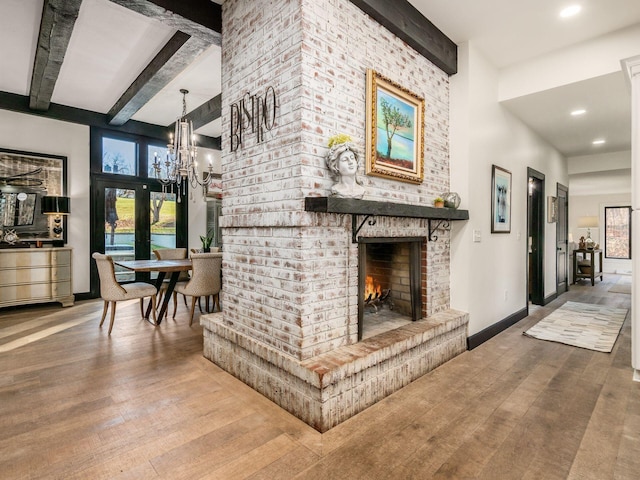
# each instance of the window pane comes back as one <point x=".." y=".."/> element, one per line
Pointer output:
<point x="119" y="157"/>
<point x="160" y="154"/>
<point x="618" y="232"/>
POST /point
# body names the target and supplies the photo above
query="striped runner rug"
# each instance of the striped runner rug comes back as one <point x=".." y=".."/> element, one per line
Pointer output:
<point x="585" y="325"/>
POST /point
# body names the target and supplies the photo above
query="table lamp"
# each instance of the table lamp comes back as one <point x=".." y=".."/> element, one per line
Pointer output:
<point x="56" y="207"/>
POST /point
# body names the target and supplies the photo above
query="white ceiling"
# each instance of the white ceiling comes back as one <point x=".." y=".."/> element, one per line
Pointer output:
<point x="111" y="45"/>
<point x="511" y="32"/>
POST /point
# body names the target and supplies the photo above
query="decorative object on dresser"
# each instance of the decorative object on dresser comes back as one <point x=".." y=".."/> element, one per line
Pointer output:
<point x="438" y="202"/>
<point x="30" y="275"/>
<point x="588" y="223"/>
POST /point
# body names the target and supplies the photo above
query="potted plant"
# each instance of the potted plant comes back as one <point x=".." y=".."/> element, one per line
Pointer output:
<point x="438" y="202"/>
<point x="206" y="241"/>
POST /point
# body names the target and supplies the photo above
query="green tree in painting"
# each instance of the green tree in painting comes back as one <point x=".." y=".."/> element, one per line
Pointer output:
<point x="393" y="119"/>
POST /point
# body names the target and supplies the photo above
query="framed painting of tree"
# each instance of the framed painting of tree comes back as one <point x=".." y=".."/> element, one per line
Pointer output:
<point x="395" y="130"/>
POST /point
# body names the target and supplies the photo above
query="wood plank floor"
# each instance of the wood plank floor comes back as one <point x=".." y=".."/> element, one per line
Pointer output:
<point x="144" y="404"/>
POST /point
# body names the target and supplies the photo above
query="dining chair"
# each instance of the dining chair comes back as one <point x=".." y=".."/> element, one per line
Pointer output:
<point x="111" y="291"/>
<point x="171" y="254"/>
<point x="205" y="279"/>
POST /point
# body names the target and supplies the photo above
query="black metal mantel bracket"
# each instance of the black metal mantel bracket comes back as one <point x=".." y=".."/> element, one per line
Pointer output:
<point x="355" y="230"/>
<point x="444" y="222"/>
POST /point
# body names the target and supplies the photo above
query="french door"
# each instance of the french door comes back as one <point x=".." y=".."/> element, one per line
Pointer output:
<point x="130" y="214"/>
<point x="130" y="220"/>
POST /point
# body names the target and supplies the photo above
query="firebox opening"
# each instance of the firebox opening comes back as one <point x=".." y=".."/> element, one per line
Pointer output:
<point x="390" y="282"/>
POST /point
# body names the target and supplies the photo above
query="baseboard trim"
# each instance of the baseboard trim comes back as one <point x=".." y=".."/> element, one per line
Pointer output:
<point x="550" y="298"/>
<point x="479" y="338"/>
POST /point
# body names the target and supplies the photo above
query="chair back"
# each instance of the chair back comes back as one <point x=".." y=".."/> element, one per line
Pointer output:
<point x="173" y="254"/>
<point x="205" y="274"/>
<point x="110" y="289"/>
<point x="199" y="250"/>
<point x="170" y="253"/>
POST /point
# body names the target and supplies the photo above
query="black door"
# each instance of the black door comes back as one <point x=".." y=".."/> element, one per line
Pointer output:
<point x="535" y="235"/>
<point x="562" y="239"/>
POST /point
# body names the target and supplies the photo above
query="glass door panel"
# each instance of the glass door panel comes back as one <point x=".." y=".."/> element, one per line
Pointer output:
<point x="120" y="228"/>
<point x="162" y="208"/>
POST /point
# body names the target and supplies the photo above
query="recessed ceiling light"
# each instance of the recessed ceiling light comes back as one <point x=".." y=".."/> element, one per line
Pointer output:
<point x="578" y="112"/>
<point x="598" y="142"/>
<point x="570" y="11"/>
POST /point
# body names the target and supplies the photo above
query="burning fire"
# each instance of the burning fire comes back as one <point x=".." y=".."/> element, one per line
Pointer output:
<point x="371" y="287"/>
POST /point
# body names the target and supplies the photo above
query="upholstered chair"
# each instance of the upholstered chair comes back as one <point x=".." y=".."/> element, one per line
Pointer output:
<point x="205" y="279"/>
<point x="171" y="254"/>
<point x="112" y="292"/>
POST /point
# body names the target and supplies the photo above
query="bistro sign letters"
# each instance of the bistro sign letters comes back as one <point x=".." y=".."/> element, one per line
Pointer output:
<point x="255" y="114"/>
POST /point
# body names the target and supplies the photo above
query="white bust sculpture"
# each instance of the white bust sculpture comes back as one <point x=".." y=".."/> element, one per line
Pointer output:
<point x="343" y="163"/>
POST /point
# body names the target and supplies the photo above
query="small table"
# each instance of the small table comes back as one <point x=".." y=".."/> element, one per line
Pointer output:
<point x="162" y="267"/>
<point x="587" y="254"/>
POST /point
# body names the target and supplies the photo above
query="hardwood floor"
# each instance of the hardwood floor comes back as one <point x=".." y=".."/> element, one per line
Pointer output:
<point x="144" y="404"/>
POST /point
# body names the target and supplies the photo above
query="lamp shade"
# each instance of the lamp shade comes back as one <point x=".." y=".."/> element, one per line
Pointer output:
<point x="587" y="222"/>
<point x="59" y="205"/>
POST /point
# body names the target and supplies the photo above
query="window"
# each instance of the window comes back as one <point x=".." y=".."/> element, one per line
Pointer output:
<point x="617" y="222"/>
<point x="119" y="156"/>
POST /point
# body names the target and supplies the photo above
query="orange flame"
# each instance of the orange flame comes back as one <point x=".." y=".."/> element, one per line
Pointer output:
<point x="371" y="287"/>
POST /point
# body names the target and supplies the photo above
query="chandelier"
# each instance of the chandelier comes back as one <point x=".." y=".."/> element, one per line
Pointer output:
<point x="180" y="166"/>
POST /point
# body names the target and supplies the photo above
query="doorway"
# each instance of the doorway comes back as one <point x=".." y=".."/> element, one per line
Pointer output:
<point x="562" y="239"/>
<point x="535" y="236"/>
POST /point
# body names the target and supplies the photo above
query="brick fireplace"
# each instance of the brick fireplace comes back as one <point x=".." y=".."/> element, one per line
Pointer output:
<point x="292" y="257"/>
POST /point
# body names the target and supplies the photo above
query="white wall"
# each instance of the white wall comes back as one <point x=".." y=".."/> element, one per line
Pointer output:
<point x="488" y="278"/>
<point x="40" y="135"/>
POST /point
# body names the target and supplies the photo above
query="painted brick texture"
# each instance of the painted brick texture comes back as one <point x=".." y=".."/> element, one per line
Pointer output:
<point x="290" y="277"/>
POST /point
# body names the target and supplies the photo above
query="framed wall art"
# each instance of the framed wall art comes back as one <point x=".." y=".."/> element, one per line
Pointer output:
<point x="500" y="200"/>
<point x="395" y="130"/>
<point x="25" y="179"/>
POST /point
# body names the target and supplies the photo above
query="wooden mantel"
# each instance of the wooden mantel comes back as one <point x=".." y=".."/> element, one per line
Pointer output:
<point x="369" y="208"/>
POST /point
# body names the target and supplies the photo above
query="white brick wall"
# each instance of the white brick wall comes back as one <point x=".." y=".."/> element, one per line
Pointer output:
<point x="290" y="277"/>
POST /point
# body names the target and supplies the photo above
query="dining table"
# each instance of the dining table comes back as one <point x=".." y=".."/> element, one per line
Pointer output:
<point x="174" y="267"/>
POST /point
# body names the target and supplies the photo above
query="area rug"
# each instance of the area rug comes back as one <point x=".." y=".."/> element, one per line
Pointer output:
<point x="595" y="327"/>
<point x="623" y="285"/>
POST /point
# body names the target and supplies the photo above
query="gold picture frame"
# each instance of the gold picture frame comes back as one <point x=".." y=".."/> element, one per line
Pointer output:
<point x="395" y="130"/>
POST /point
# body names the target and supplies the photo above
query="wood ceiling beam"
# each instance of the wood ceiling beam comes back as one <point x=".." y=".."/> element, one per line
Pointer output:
<point x="198" y="18"/>
<point x="179" y="52"/>
<point x="56" y="27"/>
<point x="20" y="103"/>
<point x="206" y="113"/>
<point x="407" y="23"/>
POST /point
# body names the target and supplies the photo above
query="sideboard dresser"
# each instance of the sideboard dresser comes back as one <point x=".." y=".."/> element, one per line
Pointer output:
<point x="35" y="275"/>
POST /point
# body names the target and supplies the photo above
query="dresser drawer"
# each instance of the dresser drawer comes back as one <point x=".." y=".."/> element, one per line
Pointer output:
<point x="24" y="275"/>
<point x="26" y="257"/>
<point x="61" y="289"/>
<point x="29" y="292"/>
